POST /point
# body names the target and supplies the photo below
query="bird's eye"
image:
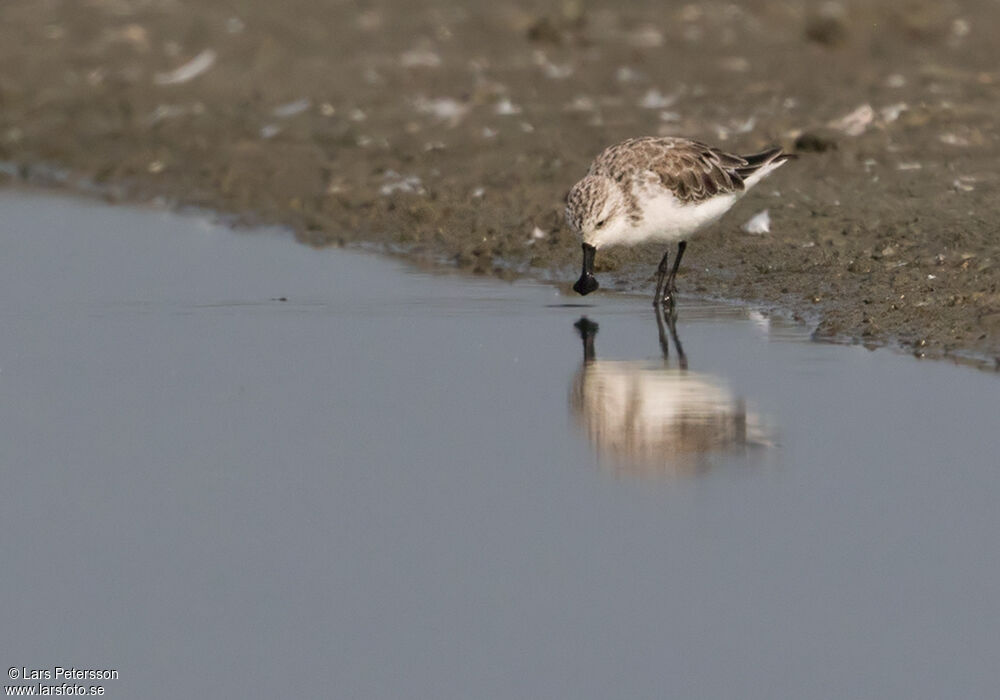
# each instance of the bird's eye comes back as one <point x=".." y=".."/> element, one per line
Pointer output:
<point x="600" y="224"/>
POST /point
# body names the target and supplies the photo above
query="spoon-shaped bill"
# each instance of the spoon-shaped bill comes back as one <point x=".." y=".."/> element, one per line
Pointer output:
<point x="587" y="282"/>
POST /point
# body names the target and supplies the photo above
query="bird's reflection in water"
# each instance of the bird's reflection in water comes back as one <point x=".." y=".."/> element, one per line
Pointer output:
<point x="658" y="419"/>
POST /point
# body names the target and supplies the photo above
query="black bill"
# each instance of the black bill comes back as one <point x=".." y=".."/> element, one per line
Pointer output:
<point x="587" y="282"/>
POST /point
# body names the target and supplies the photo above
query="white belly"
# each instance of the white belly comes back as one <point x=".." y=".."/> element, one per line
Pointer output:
<point x="667" y="219"/>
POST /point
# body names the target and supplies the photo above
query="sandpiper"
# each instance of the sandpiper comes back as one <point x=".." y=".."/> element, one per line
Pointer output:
<point x="658" y="189"/>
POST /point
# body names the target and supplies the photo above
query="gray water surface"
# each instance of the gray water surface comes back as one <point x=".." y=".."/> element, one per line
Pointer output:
<point x="402" y="485"/>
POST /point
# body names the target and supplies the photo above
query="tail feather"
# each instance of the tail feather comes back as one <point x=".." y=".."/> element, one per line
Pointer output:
<point x="763" y="162"/>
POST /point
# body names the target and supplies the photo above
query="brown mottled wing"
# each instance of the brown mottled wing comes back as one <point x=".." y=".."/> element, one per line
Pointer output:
<point x="696" y="172"/>
<point x="691" y="170"/>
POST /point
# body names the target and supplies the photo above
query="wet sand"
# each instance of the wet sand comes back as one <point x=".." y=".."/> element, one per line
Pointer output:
<point x="450" y="131"/>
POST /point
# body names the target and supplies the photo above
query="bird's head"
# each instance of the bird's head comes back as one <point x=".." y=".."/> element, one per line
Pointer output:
<point x="596" y="210"/>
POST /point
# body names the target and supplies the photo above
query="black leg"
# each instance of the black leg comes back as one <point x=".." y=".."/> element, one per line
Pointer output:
<point x="661" y="273"/>
<point x="671" y="284"/>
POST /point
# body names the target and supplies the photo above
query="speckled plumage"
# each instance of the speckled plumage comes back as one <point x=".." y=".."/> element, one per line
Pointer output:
<point x="638" y="170"/>
<point x="658" y="189"/>
<point x="691" y="170"/>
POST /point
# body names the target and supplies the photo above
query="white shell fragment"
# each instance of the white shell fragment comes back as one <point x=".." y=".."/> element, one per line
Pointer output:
<point x="654" y="99"/>
<point x="550" y="69"/>
<point x="290" y="109"/>
<point x="758" y="223"/>
<point x="891" y="113"/>
<point x="964" y="183"/>
<point x="446" y="109"/>
<point x="954" y="140"/>
<point x="855" y="123"/>
<point x="505" y="107"/>
<point x="581" y="103"/>
<point x="537" y="234"/>
<point x="167" y="111"/>
<point x="189" y="71"/>
<point x="395" y="182"/>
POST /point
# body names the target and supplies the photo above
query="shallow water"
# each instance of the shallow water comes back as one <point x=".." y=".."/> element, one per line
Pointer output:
<point x="397" y="484"/>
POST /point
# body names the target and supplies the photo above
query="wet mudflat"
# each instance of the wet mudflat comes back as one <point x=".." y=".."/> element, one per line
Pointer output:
<point x="397" y="484"/>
